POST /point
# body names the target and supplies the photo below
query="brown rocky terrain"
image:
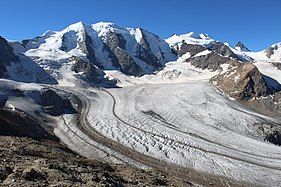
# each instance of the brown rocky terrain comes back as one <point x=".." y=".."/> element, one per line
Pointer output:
<point x="212" y="61"/>
<point x="242" y="81"/>
<point x="28" y="162"/>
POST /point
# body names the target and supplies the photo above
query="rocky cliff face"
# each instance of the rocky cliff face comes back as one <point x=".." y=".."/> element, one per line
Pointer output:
<point x="242" y="81"/>
<point x="6" y="56"/>
<point x="14" y="123"/>
<point x="210" y="61"/>
<point x="222" y="49"/>
<point x="270" y="51"/>
<point x="116" y="46"/>
<point x="87" y="71"/>
<point x="54" y="104"/>
<point x="193" y="49"/>
<point x="273" y="53"/>
<point x="241" y="47"/>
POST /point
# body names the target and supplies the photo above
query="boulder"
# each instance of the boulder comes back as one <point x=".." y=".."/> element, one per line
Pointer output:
<point x="5" y="171"/>
<point x="32" y="174"/>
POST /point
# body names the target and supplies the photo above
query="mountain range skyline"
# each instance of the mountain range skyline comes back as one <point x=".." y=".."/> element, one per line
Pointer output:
<point x="254" y="23"/>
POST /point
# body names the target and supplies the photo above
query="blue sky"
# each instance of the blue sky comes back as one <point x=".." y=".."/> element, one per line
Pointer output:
<point x="257" y="23"/>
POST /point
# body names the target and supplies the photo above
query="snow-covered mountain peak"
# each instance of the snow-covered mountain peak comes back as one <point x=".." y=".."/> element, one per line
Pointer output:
<point x="107" y="45"/>
<point x="105" y="25"/>
<point x="103" y="28"/>
<point x="241" y="47"/>
<point x="196" y="36"/>
<point x="76" y="27"/>
<point x="189" y="38"/>
<point x="48" y="33"/>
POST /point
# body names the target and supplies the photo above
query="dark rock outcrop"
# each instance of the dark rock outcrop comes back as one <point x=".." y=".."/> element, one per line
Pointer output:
<point x="6" y="55"/>
<point x="13" y="123"/>
<point x="87" y="47"/>
<point x="269" y="106"/>
<point x="277" y="64"/>
<point x="115" y="44"/>
<point x="127" y="63"/>
<point x="145" y="54"/>
<point x="54" y="104"/>
<point x="190" y="48"/>
<point x="274" y="137"/>
<point x="90" y="72"/>
<point x="222" y="49"/>
<point x="270" y="51"/>
<point x="242" y="81"/>
<point x="210" y="61"/>
<point x="270" y="132"/>
<point x="242" y="47"/>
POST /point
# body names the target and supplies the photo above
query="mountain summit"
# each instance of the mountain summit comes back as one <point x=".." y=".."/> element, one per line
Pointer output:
<point x="241" y="47"/>
<point x="133" y="51"/>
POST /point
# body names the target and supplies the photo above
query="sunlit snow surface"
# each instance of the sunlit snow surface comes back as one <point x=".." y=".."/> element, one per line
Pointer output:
<point x="178" y="117"/>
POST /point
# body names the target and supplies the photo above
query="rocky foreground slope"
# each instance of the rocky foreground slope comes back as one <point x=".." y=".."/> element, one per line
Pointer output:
<point x="28" y="162"/>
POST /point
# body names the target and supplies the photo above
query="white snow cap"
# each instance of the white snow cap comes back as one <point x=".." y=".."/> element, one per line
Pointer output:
<point x="189" y="38"/>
